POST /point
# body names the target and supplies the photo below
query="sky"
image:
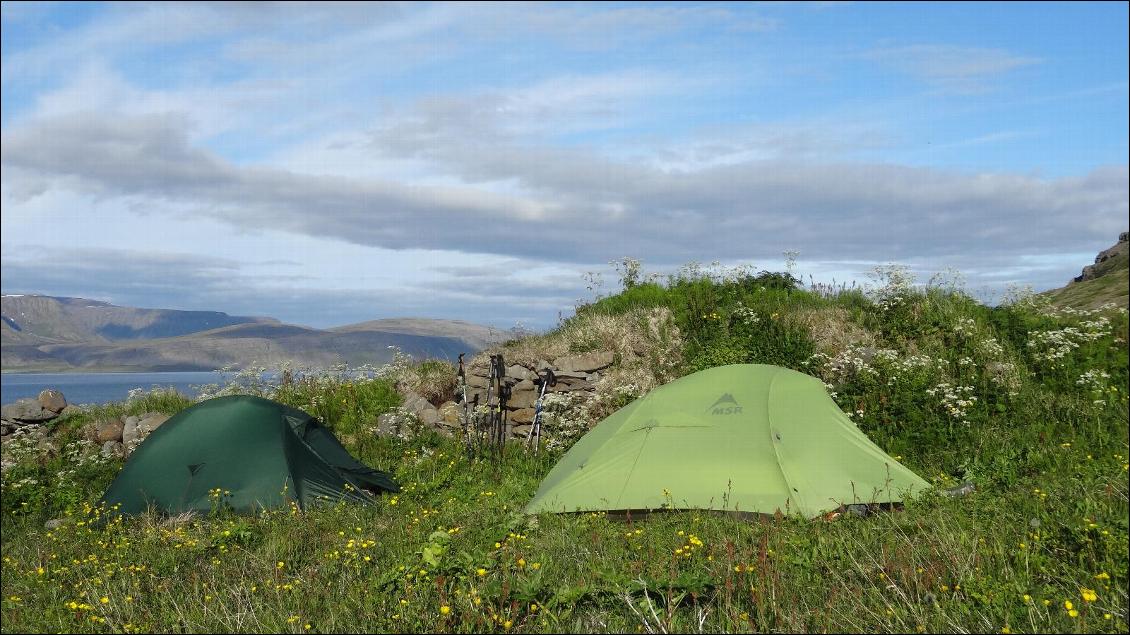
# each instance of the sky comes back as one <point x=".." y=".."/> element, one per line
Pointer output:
<point x="326" y="164"/>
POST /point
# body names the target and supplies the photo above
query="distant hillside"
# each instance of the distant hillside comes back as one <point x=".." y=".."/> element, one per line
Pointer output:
<point x="45" y="334"/>
<point x="40" y="319"/>
<point x="1107" y="280"/>
<point x="477" y="336"/>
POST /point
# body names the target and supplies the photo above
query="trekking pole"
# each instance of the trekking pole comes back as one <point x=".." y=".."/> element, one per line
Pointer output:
<point x="496" y="419"/>
<point x="535" y="430"/>
<point x="466" y="406"/>
<point x="504" y="396"/>
<point x="481" y="430"/>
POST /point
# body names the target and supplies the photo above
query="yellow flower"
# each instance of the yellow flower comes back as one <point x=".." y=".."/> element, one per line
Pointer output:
<point x="280" y="565"/>
<point x="1073" y="613"/>
<point x="1088" y="595"/>
<point x="481" y="572"/>
<point x="521" y="562"/>
<point x="1102" y="576"/>
<point x="1027" y="598"/>
<point x="445" y="609"/>
<point x="1068" y="605"/>
<point x="106" y="600"/>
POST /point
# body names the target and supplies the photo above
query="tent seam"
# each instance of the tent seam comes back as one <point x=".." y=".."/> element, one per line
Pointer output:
<point x="776" y="453"/>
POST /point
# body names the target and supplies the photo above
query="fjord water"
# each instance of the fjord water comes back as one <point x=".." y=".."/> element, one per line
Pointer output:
<point x="98" y="388"/>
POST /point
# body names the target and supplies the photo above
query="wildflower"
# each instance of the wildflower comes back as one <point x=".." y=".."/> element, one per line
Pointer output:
<point x="445" y="609"/>
<point x="1088" y="595"/>
<point x="1027" y="598"/>
<point x="1102" y="576"/>
<point x="1068" y="605"/>
<point x="481" y="572"/>
<point x="104" y="600"/>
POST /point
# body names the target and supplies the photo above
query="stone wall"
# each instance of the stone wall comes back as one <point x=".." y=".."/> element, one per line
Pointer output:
<point x="577" y="372"/>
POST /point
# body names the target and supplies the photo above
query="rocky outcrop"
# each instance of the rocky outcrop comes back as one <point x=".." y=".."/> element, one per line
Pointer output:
<point x="122" y="435"/>
<point x="1120" y="249"/>
<point x="49" y="405"/>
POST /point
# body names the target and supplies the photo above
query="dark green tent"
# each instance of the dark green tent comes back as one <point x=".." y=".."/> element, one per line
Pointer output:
<point x="263" y="452"/>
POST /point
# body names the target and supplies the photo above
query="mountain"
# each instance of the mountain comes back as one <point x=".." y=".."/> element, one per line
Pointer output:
<point x="43" y="334"/>
<point x="477" y="336"/>
<point x="41" y="319"/>
<point x="1107" y="280"/>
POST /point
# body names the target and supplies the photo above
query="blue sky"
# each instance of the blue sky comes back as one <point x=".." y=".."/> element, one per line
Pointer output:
<point x="332" y="164"/>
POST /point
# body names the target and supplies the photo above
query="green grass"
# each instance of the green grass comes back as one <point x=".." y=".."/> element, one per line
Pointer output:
<point x="1048" y="523"/>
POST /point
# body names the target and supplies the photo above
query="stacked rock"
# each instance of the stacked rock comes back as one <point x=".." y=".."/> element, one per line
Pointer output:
<point x="579" y="372"/>
<point x="29" y="413"/>
<point x="122" y="435"/>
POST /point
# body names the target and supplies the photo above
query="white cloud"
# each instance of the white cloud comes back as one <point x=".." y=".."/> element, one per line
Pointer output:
<point x="953" y="68"/>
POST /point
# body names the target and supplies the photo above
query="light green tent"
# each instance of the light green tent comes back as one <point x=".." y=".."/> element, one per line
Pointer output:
<point x="745" y="437"/>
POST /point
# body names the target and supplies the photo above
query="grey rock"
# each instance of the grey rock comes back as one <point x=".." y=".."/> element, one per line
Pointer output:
<point x="519" y="372"/>
<point x="586" y="362"/>
<point x="961" y="490"/>
<point x="474" y="381"/>
<point x="129" y="430"/>
<point x="112" y="448"/>
<point x="52" y="400"/>
<point x="7" y="427"/>
<point x="385" y="424"/>
<point x="150" y="421"/>
<point x="54" y="523"/>
<point x="525" y="384"/>
<point x="571" y="385"/>
<point x="428" y="416"/>
<point x="27" y="410"/>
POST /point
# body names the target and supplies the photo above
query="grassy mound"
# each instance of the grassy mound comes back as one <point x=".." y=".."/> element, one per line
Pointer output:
<point x="1026" y="401"/>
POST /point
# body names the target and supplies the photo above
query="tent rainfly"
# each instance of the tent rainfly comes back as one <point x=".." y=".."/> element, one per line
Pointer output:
<point x="745" y="437"/>
<point x="257" y="452"/>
